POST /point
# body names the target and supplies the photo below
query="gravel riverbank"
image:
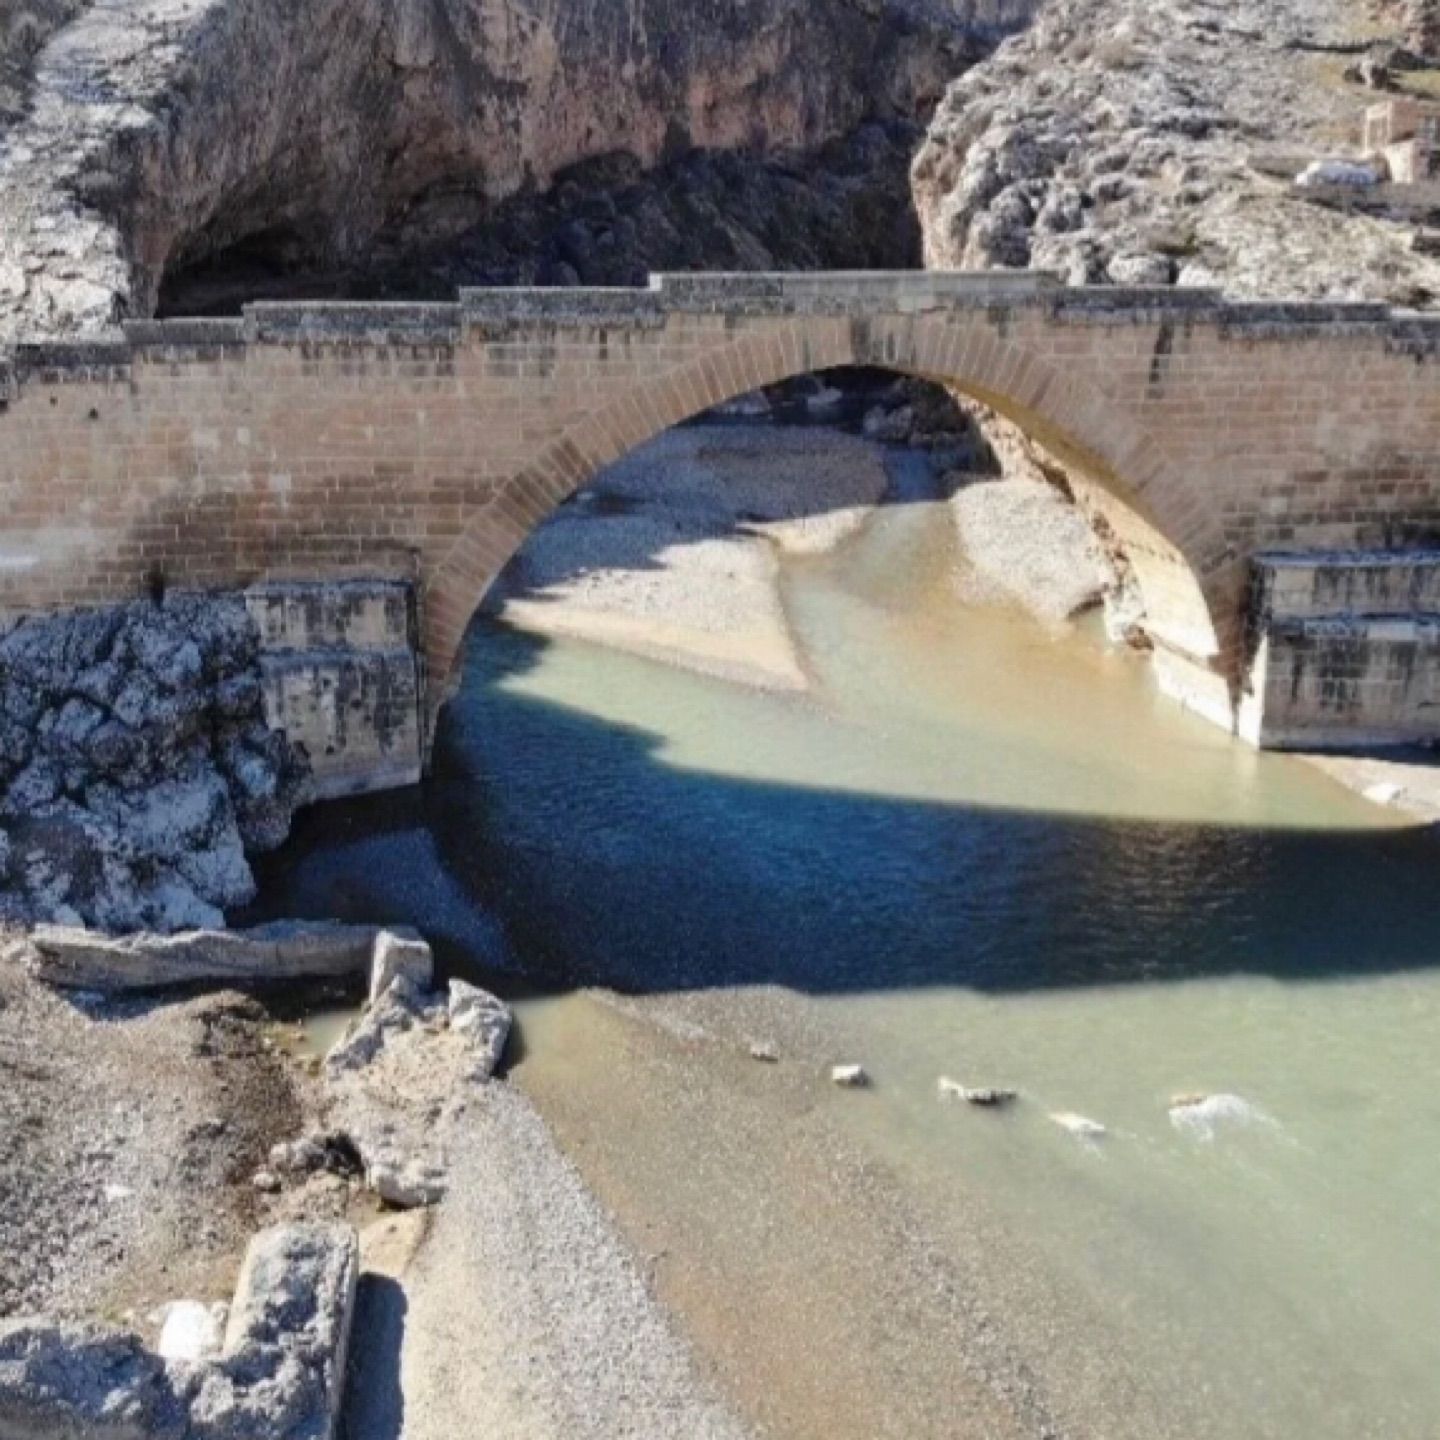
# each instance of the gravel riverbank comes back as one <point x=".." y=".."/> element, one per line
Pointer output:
<point x="523" y="1314"/>
<point x="131" y="1130"/>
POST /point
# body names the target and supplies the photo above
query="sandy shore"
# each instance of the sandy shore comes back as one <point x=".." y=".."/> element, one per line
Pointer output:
<point x="1025" y="544"/>
<point x="675" y="552"/>
<point x="804" y="1272"/>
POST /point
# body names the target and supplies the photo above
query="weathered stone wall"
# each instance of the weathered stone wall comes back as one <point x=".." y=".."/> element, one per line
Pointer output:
<point x="1346" y="650"/>
<point x="424" y="442"/>
<point x="341" y="680"/>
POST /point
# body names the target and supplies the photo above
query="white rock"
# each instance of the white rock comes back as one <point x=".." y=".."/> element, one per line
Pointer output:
<point x="1202" y="1117"/>
<point x="1080" y="1126"/>
<point x="484" y="1019"/>
<point x="1384" y="792"/>
<point x="825" y="401"/>
<point x="1353" y="173"/>
<point x="192" y="1330"/>
<point x="407" y="1184"/>
<point x="399" y="954"/>
<point x="852" y="1076"/>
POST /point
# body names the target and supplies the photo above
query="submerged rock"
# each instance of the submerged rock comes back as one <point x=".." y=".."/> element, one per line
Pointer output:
<point x="1202" y="1117"/>
<point x="1081" y="1126"/>
<point x="986" y="1096"/>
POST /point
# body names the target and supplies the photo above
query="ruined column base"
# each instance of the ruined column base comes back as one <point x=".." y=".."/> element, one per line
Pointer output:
<point x="342" y="679"/>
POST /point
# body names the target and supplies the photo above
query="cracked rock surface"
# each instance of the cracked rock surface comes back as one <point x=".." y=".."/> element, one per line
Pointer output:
<point x="1153" y="142"/>
<point x="146" y="134"/>
<point x="136" y="768"/>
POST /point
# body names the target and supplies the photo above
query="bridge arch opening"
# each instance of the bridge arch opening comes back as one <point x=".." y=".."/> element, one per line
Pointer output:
<point x="1117" y="477"/>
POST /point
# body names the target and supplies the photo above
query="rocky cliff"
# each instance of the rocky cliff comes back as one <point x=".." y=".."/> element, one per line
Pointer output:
<point x="1156" y="141"/>
<point x="136" y="769"/>
<point x="158" y="132"/>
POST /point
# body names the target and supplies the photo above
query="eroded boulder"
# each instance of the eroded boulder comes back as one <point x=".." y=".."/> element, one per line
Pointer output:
<point x="136" y="767"/>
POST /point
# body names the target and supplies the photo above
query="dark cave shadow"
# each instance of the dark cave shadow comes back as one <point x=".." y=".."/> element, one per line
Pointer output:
<point x="608" y="866"/>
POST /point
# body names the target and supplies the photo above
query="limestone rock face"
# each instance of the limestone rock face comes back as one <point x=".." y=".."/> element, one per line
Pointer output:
<point x="1127" y="141"/>
<point x="156" y="131"/>
<point x="136" y="768"/>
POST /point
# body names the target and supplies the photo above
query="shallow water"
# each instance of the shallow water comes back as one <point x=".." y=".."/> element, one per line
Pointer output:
<point x="980" y="851"/>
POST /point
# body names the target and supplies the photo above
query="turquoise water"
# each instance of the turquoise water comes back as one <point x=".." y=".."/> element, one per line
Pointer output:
<point x="979" y="851"/>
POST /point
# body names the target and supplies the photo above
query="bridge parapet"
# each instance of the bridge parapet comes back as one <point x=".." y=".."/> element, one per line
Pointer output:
<point x="510" y="312"/>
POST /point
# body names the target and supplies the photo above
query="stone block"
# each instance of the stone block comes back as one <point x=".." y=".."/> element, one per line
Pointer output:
<point x="281" y="1372"/>
<point x="73" y="958"/>
<point x="396" y="955"/>
<point x="482" y="1019"/>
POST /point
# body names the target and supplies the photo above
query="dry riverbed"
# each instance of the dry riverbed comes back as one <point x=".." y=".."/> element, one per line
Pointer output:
<point x="677" y="553"/>
<point x="131" y="1131"/>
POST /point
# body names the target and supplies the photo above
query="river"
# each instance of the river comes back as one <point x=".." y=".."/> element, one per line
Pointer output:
<point x="974" y="850"/>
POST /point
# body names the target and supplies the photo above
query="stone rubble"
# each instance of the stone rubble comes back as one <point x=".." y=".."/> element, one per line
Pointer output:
<point x="406" y="1069"/>
<point x="279" y="1374"/>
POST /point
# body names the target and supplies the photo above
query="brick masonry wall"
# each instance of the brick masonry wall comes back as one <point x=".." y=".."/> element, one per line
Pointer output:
<point x="423" y="442"/>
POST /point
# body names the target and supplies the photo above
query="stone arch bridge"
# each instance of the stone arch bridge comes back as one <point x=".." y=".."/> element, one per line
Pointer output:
<point x="1271" y="471"/>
